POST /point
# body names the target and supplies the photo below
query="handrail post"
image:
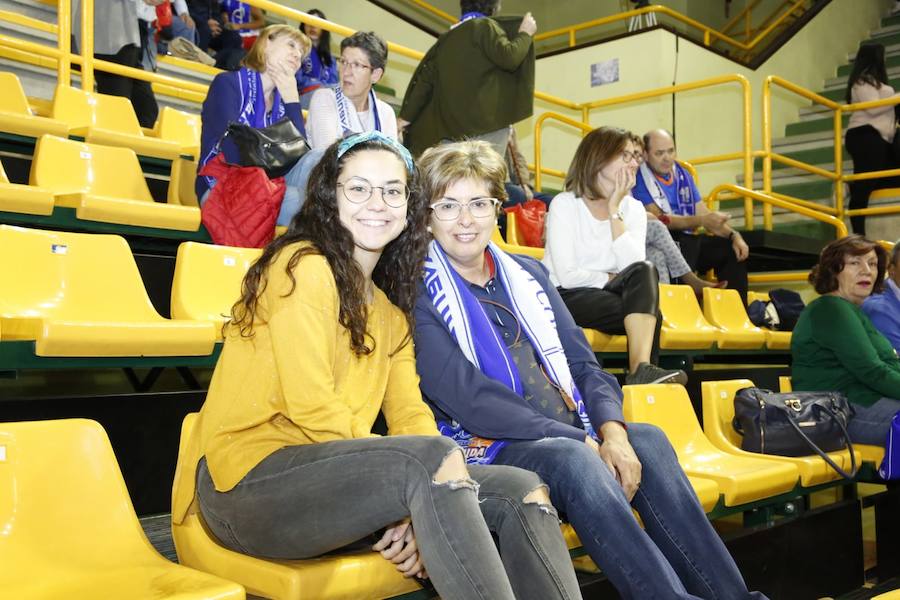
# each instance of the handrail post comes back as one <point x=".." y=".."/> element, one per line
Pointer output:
<point x="767" y="148"/>
<point x="748" y="152"/>
<point x="537" y="154"/>
<point x="585" y="118"/>
<point x="572" y="37"/>
<point x="87" y="45"/>
<point x="64" y="42"/>
<point x="839" y="162"/>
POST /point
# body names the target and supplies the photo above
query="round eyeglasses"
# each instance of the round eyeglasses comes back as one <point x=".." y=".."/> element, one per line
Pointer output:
<point x="358" y="190"/>
<point x="479" y="208"/>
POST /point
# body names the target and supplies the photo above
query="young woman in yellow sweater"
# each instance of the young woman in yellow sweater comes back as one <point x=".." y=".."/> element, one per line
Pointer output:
<point x="319" y="343"/>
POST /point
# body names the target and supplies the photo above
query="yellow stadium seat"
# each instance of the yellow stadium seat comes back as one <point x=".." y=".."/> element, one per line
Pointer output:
<point x="683" y="327"/>
<point x="893" y="594"/>
<point x="775" y="340"/>
<point x="69" y="529"/>
<point x="740" y="479"/>
<point x="23" y="198"/>
<point x="180" y="127"/>
<point x="208" y="280"/>
<point x="724" y="310"/>
<point x="77" y="294"/>
<point x="604" y="342"/>
<point x="352" y="576"/>
<point x="718" y="412"/>
<point x="107" y="120"/>
<point x="883" y="193"/>
<point x="707" y="492"/>
<point x="867" y="453"/>
<point x="105" y="184"/>
<point x="181" y="183"/>
<point x="16" y="116"/>
<point x="537" y="253"/>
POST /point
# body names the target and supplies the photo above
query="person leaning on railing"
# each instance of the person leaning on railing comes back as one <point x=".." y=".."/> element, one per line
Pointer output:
<point x="834" y="345"/>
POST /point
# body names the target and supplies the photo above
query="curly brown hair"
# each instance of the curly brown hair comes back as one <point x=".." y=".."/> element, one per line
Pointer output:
<point x="318" y="222"/>
<point x="823" y="276"/>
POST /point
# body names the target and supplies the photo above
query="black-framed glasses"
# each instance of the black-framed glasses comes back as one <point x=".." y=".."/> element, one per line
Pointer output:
<point x="630" y="156"/>
<point x="447" y="209"/>
<point x="357" y="190"/>
<point x="353" y="65"/>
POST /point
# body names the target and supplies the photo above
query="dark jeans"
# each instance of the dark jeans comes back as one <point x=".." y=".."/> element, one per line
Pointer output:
<point x="705" y="252"/>
<point x="634" y="290"/>
<point x="871" y="424"/>
<point x="870" y="153"/>
<point x="139" y="92"/>
<point x="677" y="555"/>
<point x="303" y="501"/>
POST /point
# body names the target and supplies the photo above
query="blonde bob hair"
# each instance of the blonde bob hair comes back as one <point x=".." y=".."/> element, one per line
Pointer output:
<point x="442" y="166"/>
<point x="256" y="57"/>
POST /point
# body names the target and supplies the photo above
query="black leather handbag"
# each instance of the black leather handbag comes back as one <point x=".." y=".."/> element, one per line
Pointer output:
<point x="275" y="149"/>
<point x="794" y="424"/>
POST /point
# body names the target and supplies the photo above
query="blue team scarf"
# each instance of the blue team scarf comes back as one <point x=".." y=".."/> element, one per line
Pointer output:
<point x="348" y="116"/>
<point x="683" y="193"/>
<point x="481" y="343"/>
<point x="467" y="17"/>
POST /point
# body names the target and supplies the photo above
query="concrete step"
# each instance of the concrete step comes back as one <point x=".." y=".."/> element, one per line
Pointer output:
<point x="804" y="141"/>
<point x="31" y="8"/>
<point x="840" y="82"/>
<point x="813" y="126"/>
<point x="891" y="60"/>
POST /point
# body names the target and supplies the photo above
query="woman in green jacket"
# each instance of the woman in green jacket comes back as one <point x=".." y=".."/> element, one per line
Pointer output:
<point x="836" y="347"/>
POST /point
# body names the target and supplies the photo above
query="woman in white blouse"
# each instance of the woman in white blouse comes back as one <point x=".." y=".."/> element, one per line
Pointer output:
<point x="596" y="252"/>
<point x="870" y="132"/>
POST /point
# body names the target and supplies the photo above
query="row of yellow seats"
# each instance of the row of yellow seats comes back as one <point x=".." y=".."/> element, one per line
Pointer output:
<point x="723" y="320"/>
<point x="99" y="118"/>
<point x="101" y="183"/>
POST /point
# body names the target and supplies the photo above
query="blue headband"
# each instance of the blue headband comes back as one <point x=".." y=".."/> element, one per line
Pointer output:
<point x="358" y="138"/>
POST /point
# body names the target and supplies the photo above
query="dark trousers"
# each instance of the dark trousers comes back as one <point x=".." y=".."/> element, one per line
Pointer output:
<point x="705" y="252"/>
<point x="870" y="153"/>
<point x="139" y="92"/>
<point x="635" y="290"/>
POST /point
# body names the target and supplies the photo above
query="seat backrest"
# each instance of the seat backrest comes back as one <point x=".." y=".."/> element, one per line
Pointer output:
<point x="208" y="280"/>
<point x="187" y="426"/>
<point x="178" y="126"/>
<point x="3" y="177"/>
<point x="724" y="308"/>
<point x="718" y="409"/>
<point x="13" y="98"/>
<point x="761" y="296"/>
<point x="62" y="499"/>
<point x="668" y="407"/>
<point x="116" y="113"/>
<point x="76" y="276"/>
<point x="73" y="106"/>
<point x="67" y="166"/>
<point x="679" y="307"/>
<point x="784" y="384"/>
<point x="181" y="183"/>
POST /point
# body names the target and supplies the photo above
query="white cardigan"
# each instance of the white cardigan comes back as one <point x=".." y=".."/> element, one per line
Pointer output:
<point x="323" y="126"/>
<point x="580" y="250"/>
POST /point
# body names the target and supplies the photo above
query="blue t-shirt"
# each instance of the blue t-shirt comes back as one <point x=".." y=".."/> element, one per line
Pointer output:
<point x="681" y="193"/>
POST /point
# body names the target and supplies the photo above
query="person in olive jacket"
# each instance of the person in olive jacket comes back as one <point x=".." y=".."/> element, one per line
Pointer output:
<point x="475" y="81"/>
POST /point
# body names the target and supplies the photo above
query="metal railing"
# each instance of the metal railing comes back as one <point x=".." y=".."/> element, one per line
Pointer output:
<point x="745" y="16"/>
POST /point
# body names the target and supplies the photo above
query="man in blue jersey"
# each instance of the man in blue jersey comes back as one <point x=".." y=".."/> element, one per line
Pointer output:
<point x="669" y="192"/>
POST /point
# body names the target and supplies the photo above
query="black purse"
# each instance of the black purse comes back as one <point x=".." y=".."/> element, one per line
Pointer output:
<point x="793" y="424"/>
<point x="275" y="149"/>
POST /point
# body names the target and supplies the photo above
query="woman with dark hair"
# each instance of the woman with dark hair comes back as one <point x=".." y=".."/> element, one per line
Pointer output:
<point x="870" y="132"/>
<point x="320" y="342"/>
<point x="512" y="379"/>
<point x="835" y="347"/>
<point x="596" y="252"/>
<point x="319" y="67"/>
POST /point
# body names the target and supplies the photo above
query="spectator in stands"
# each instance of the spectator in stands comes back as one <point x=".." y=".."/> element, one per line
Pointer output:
<point x="475" y="81"/>
<point x="245" y="19"/>
<point x="511" y="377"/>
<point x="352" y="107"/>
<point x="319" y="68"/>
<point x="182" y="26"/>
<point x="884" y="308"/>
<point x="596" y="252"/>
<point x="519" y="188"/>
<point x="870" y="132"/>
<point x="212" y="34"/>
<point x="835" y="346"/>
<point x="261" y="93"/>
<point x="117" y="38"/>
<point x="319" y="343"/>
<point x="666" y="188"/>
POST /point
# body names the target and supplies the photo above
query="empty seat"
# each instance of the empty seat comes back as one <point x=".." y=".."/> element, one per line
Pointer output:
<point x="23" y="198"/>
<point x="107" y="120"/>
<point x="740" y="479"/>
<point x="718" y="413"/>
<point x="208" y="280"/>
<point x="77" y="294"/>
<point x="724" y="310"/>
<point x="180" y="127"/>
<point x="683" y="327"/>
<point x="352" y="576"/>
<point x="16" y="116"/>
<point x="69" y="529"/>
<point x="775" y="340"/>
<point x="103" y="183"/>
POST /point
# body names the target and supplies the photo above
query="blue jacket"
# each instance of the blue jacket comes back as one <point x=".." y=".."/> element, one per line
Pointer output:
<point x="457" y="389"/>
<point x="884" y="312"/>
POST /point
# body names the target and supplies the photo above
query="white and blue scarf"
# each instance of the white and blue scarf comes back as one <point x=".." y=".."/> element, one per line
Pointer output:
<point x="349" y="118"/>
<point x="481" y="343"/>
<point x="684" y="194"/>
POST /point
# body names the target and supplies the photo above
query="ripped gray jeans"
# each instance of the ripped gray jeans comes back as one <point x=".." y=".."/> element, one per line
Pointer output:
<point x="304" y="501"/>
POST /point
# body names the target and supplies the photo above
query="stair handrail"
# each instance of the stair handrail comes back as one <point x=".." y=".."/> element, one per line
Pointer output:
<point x="444" y="16"/>
<point x="746" y="15"/>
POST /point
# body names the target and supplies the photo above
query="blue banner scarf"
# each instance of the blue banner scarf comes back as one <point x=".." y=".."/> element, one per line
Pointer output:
<point x="481" y="343"/>
<point x="348" y="116"/>
<point x="683" y="196"/>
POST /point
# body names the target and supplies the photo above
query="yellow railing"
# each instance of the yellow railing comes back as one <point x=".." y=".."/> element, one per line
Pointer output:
<point x="746" y="16"/>
<point x="435" y="11"/>
<point x="745" y="153"/>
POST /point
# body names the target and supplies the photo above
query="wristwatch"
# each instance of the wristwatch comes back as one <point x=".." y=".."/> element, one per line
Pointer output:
<point x="618" y="215"/>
